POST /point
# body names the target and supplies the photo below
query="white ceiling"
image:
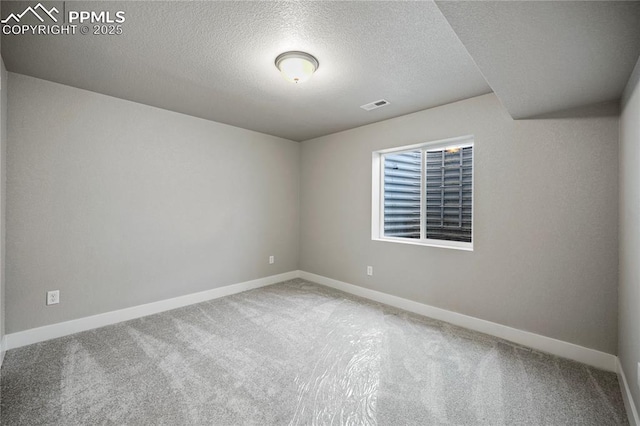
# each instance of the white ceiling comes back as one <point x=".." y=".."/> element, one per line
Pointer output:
<point x="546" y="56"/>
<point x="215" y="60"/>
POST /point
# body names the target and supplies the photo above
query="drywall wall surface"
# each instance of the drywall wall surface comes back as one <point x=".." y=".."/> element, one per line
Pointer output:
<point x="545" y="220"/>
<point x="629" y="235"/>
<point x="3" y="192"/>
<point x="117" y="204"/>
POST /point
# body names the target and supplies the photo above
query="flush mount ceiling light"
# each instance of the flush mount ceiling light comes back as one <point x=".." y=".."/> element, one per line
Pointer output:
<point x="296" y="66"/>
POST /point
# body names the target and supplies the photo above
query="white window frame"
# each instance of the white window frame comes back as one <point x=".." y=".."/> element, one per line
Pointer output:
<point x="377" y="193"/>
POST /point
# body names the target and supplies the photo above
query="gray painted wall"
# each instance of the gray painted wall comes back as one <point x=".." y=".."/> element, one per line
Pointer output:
<point x="546" y="209"/>
<point x="3" y="191"/>
<point x="117" y="204"/>
<point x="629" y="235"/>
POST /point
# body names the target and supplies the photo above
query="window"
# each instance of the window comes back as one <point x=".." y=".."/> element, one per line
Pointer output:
<point x="423" y="194"/>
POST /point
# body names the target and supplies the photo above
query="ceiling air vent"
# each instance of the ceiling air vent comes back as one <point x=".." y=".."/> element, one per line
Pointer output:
<point x="374" y="105"/>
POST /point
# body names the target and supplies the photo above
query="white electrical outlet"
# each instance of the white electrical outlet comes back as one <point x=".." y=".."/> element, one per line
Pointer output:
<point x="272" y="260"/>
<point x="370" y="270"/>
<point x="53" y="297"/>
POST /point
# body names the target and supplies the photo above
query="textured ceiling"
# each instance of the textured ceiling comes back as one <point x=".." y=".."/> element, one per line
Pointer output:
<point x="215" y="60"/>
<point x="545" y="56"/>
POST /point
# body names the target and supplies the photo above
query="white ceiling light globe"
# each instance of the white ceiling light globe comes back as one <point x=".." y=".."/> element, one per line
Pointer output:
<point x="296" y="66"/>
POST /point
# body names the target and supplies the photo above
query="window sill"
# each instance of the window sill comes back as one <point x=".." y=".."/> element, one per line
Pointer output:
<point x="429" y="243"/>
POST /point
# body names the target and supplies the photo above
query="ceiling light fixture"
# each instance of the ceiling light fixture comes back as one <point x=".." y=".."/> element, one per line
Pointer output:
<point x="296" y="66"/>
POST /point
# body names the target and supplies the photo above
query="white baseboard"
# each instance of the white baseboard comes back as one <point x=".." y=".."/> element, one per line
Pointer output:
<point x="560" y="348"/>
<point x="40" y="334"/>
<point x="3" y="345"/>
<point x="632" y="412"/>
